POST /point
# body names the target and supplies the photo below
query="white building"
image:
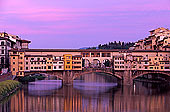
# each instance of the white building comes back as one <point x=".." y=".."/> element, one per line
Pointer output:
<point x="58" y="63"/>
<point x="8" y="42"/>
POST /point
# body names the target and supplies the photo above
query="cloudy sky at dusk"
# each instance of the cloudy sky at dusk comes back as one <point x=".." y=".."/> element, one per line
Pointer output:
<point x="82" y="23"/>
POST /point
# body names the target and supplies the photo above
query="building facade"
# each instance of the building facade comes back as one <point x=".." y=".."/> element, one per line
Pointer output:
<point x="8" y="42"/>
<point x="43" y="60"/>
<point x="159" y="39"/>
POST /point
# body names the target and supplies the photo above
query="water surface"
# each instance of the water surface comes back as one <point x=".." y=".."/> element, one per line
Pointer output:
<point x="90" y="93"/>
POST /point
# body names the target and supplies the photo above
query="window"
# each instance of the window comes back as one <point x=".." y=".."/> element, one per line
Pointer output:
<point x="60" y="66"/>
<point x="2" y="60"/>
<point x="54" y="67"/>
<point x="2" y="43"/>
<point x="60" y="62"/>
<point x="13" y="69"/>
<point x="146" y="67"/>
<point x="26" y="58"/>
<point x="67" y="66"/>
<point x="32" y="58"/>
<point x="2" y="51"/>
<point x="13" y="57"/>
<point x="20" y="68"/>
<point x="31" y="62"/>
<point x="49" y="67"/>
<point x="31" y="67"/>
<point x="166" y="67"/>
<point x="14" y="63"/>
<point x="26" y="63"/>
<point x="151" y="67"/>
<point x="26" y="68"/>
<point x="38" y="59"/>
<point x="108" y="54"/>
<point x="68" y="62"/>
<point x="14" y="52"/>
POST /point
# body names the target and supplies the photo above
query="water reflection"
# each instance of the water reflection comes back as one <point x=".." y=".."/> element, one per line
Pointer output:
<point x="44" y="87"/>
<point x="93" y="93"/>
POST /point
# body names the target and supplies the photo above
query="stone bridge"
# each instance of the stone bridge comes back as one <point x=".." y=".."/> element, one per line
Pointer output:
<point x="127" y="76"/>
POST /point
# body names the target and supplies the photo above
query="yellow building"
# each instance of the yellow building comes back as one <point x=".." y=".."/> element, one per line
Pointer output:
<point x="21" y="64"/>
<point x="67" y="62"/>
<point x="49" y="63"/>
<point x="14" y="62"/>
<point x="17" y="63"/>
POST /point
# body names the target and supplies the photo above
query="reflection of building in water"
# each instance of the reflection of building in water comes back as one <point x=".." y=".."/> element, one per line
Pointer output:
<point x="102" y="78"/>
<point x="64" y="100"/>
<point x="140" y="99"/>
<point x="126" y="99"/>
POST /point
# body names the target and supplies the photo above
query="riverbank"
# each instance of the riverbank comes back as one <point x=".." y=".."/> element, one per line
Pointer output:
<point x="8" y="87"/>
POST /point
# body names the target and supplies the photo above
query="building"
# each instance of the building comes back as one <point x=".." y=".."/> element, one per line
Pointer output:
<point x="45" y="60"/>
<point x="159" y="39"/>
<point x="8" y="42"/>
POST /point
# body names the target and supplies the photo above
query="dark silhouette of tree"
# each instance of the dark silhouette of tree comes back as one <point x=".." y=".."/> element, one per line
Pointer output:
<point x="114" y="45"/>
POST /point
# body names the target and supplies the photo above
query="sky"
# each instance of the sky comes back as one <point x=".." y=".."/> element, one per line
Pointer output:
<point x="82" y="23"/>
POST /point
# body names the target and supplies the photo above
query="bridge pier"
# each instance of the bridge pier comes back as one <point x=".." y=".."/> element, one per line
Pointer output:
<point x="127" y="78"/>
<point x="67" y="78"/>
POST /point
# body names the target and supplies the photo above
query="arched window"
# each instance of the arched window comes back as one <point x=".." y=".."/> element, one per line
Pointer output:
<point x="2" y="60"/>
<point x="2" y="43"/>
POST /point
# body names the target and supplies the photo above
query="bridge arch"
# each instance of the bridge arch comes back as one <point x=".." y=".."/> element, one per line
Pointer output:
<point x="145" y="73"/>
<point x="107" y="73"/>
<point x="57" y="74"/>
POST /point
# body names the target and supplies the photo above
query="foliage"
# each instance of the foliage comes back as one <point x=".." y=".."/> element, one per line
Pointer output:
<point x="30" y="78"/>
<point x="26" y="79"/>
<point x="6" y="87"/>
<point x="114" y="45"/>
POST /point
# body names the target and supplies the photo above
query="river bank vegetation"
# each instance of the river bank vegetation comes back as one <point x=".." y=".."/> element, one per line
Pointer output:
<point x="8" y="87"/>
<point x="31" y="78"/>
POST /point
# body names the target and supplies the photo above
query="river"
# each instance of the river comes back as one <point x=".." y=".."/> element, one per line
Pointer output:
<point x="90" y="93"/>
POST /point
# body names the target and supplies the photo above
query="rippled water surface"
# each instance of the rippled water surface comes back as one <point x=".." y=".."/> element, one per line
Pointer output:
<point x="89" y="93"/>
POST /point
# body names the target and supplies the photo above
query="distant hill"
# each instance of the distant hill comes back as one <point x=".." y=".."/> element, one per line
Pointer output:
<point x="113" y="45"/>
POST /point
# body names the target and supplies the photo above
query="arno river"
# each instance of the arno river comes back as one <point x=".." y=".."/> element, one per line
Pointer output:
<point x="90" y="93"/>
